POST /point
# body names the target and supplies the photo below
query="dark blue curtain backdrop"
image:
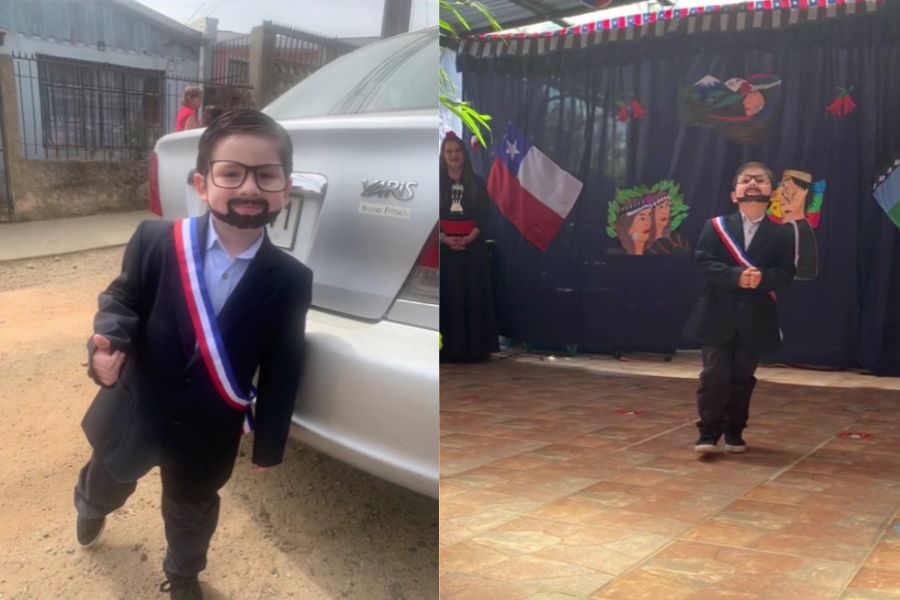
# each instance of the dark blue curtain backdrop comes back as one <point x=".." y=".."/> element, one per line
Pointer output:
<point x="578" y="294"/>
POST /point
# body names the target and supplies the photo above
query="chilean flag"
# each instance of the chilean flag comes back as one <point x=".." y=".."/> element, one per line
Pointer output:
<point x="530" y="189"/>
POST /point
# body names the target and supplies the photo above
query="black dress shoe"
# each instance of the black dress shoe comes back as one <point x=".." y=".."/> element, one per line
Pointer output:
<point x="88" y="530"/>
<point x="182" y="588"/>
<point x="706" y="443"/>
<point x="734" y="443"/>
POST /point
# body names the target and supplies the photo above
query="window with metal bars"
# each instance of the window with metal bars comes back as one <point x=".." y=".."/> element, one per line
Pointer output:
<point x="87" y="105"/>
<point x="238" y="72"/>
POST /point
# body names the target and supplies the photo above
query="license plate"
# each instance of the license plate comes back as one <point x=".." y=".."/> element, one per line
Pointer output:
<point x="283" y="231"/>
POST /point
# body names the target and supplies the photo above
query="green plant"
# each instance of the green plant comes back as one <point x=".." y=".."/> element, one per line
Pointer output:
<point x="452" y="22"/>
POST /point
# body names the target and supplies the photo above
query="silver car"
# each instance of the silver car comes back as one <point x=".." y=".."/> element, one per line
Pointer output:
<point x="363" y="216"/>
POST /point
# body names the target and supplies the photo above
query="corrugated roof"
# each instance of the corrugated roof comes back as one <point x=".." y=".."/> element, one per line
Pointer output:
<point x="731" y="19"/>
<point x="518" y="13"/>
<point x="160" y="18"/>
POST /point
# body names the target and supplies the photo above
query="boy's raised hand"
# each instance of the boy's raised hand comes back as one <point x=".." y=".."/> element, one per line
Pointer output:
<point x="106" y="364"/>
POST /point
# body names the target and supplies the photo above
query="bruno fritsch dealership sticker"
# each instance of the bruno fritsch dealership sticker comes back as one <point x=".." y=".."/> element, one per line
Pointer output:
<point x="384" y="210"/>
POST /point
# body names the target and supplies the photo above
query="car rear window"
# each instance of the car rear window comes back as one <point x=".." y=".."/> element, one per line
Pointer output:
<point x="400" y="73"/>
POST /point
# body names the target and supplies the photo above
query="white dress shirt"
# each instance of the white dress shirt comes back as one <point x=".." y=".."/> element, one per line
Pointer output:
<point x="222" y="272"/>
<point x="750" y="227"/>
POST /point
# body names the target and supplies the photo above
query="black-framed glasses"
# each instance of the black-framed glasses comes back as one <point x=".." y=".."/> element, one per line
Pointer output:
<point x="230" y="175"/>
<point x="757" y="179"/>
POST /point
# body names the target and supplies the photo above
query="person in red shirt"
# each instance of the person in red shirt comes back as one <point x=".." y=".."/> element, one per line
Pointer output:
<point x="190" y="103"/>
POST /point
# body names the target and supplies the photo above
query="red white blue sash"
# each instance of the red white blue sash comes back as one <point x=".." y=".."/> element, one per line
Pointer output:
<point x="206" y="327"/>
<point x="734" y="248"/>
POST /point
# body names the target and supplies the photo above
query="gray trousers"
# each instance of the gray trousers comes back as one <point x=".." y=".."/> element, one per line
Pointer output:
<point x="190" y="522"/>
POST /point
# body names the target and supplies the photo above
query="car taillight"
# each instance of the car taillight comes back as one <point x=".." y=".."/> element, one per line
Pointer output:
<point x="422" y="285"/>
<point x="153" y="186"/>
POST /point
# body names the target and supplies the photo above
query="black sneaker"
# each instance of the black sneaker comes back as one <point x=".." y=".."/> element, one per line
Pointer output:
<point x="706" y="443"/>
<point x="182" y="588"/>
<point x="734" y="443"/>
<point x="88" y="530"/>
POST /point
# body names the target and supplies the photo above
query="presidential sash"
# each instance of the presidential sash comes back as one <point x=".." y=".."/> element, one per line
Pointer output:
<point x="206" y="327"/>
<point x="736" y="251"/>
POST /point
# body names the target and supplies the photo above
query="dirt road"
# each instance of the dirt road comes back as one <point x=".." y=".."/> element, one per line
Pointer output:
<point x="310" y="528"/>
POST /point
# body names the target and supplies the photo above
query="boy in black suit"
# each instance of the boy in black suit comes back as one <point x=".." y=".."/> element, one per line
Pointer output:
<point x="744" y="258"/>
<point x="200" y="305"/>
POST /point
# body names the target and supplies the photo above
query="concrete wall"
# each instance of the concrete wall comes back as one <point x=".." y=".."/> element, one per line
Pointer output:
<point x="43" y="189"/>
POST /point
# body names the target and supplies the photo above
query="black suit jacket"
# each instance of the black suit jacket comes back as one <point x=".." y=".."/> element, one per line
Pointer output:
<point x="164" y="407"/>
<point x="726" y="310"/>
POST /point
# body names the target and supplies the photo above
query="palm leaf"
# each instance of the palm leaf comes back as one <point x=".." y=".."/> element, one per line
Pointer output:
<point x="451" y="21"/>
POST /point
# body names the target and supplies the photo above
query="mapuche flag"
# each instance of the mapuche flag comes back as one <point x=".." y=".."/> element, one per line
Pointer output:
<point x="530" y="190"/>
<point x="887" y="192"/>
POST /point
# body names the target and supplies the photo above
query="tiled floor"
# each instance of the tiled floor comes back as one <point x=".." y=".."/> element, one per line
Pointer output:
<point x="575" y="478"/>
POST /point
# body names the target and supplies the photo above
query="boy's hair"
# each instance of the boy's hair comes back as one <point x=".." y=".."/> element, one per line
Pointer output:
<point x="244" y="121"/>
<point x="752" y="165"/>
<point x="191" y="91"/>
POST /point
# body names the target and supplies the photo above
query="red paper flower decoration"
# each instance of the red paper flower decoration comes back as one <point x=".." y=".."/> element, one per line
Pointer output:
<point x="630" y="110"/>
<point x="843" y="105"/>
<point x="476" y="145"/>
<point x="637" y="111"/>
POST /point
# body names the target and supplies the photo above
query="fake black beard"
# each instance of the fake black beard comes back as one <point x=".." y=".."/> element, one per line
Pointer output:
<point x="754" y="198"/>
<point x="240" y="221"/>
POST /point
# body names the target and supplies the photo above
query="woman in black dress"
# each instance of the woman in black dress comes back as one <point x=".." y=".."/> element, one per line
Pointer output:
<point x="468" y="326"/>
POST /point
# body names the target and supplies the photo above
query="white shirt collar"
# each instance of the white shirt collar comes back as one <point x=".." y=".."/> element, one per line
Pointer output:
<point x="212" y="238"/>
<point x="747" y="220"/>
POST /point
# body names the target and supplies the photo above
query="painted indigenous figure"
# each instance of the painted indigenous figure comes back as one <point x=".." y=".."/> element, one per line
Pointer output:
<point x="796" y="203"/>
<point x="644" y="219"/>
<point x="635" y="226"/>
<point x="666" y="241"/>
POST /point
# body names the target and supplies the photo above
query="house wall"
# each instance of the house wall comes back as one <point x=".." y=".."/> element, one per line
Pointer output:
<point x="95" y="31"/>
<point x="177" y="71"/>
<point x="45" y="189"/>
